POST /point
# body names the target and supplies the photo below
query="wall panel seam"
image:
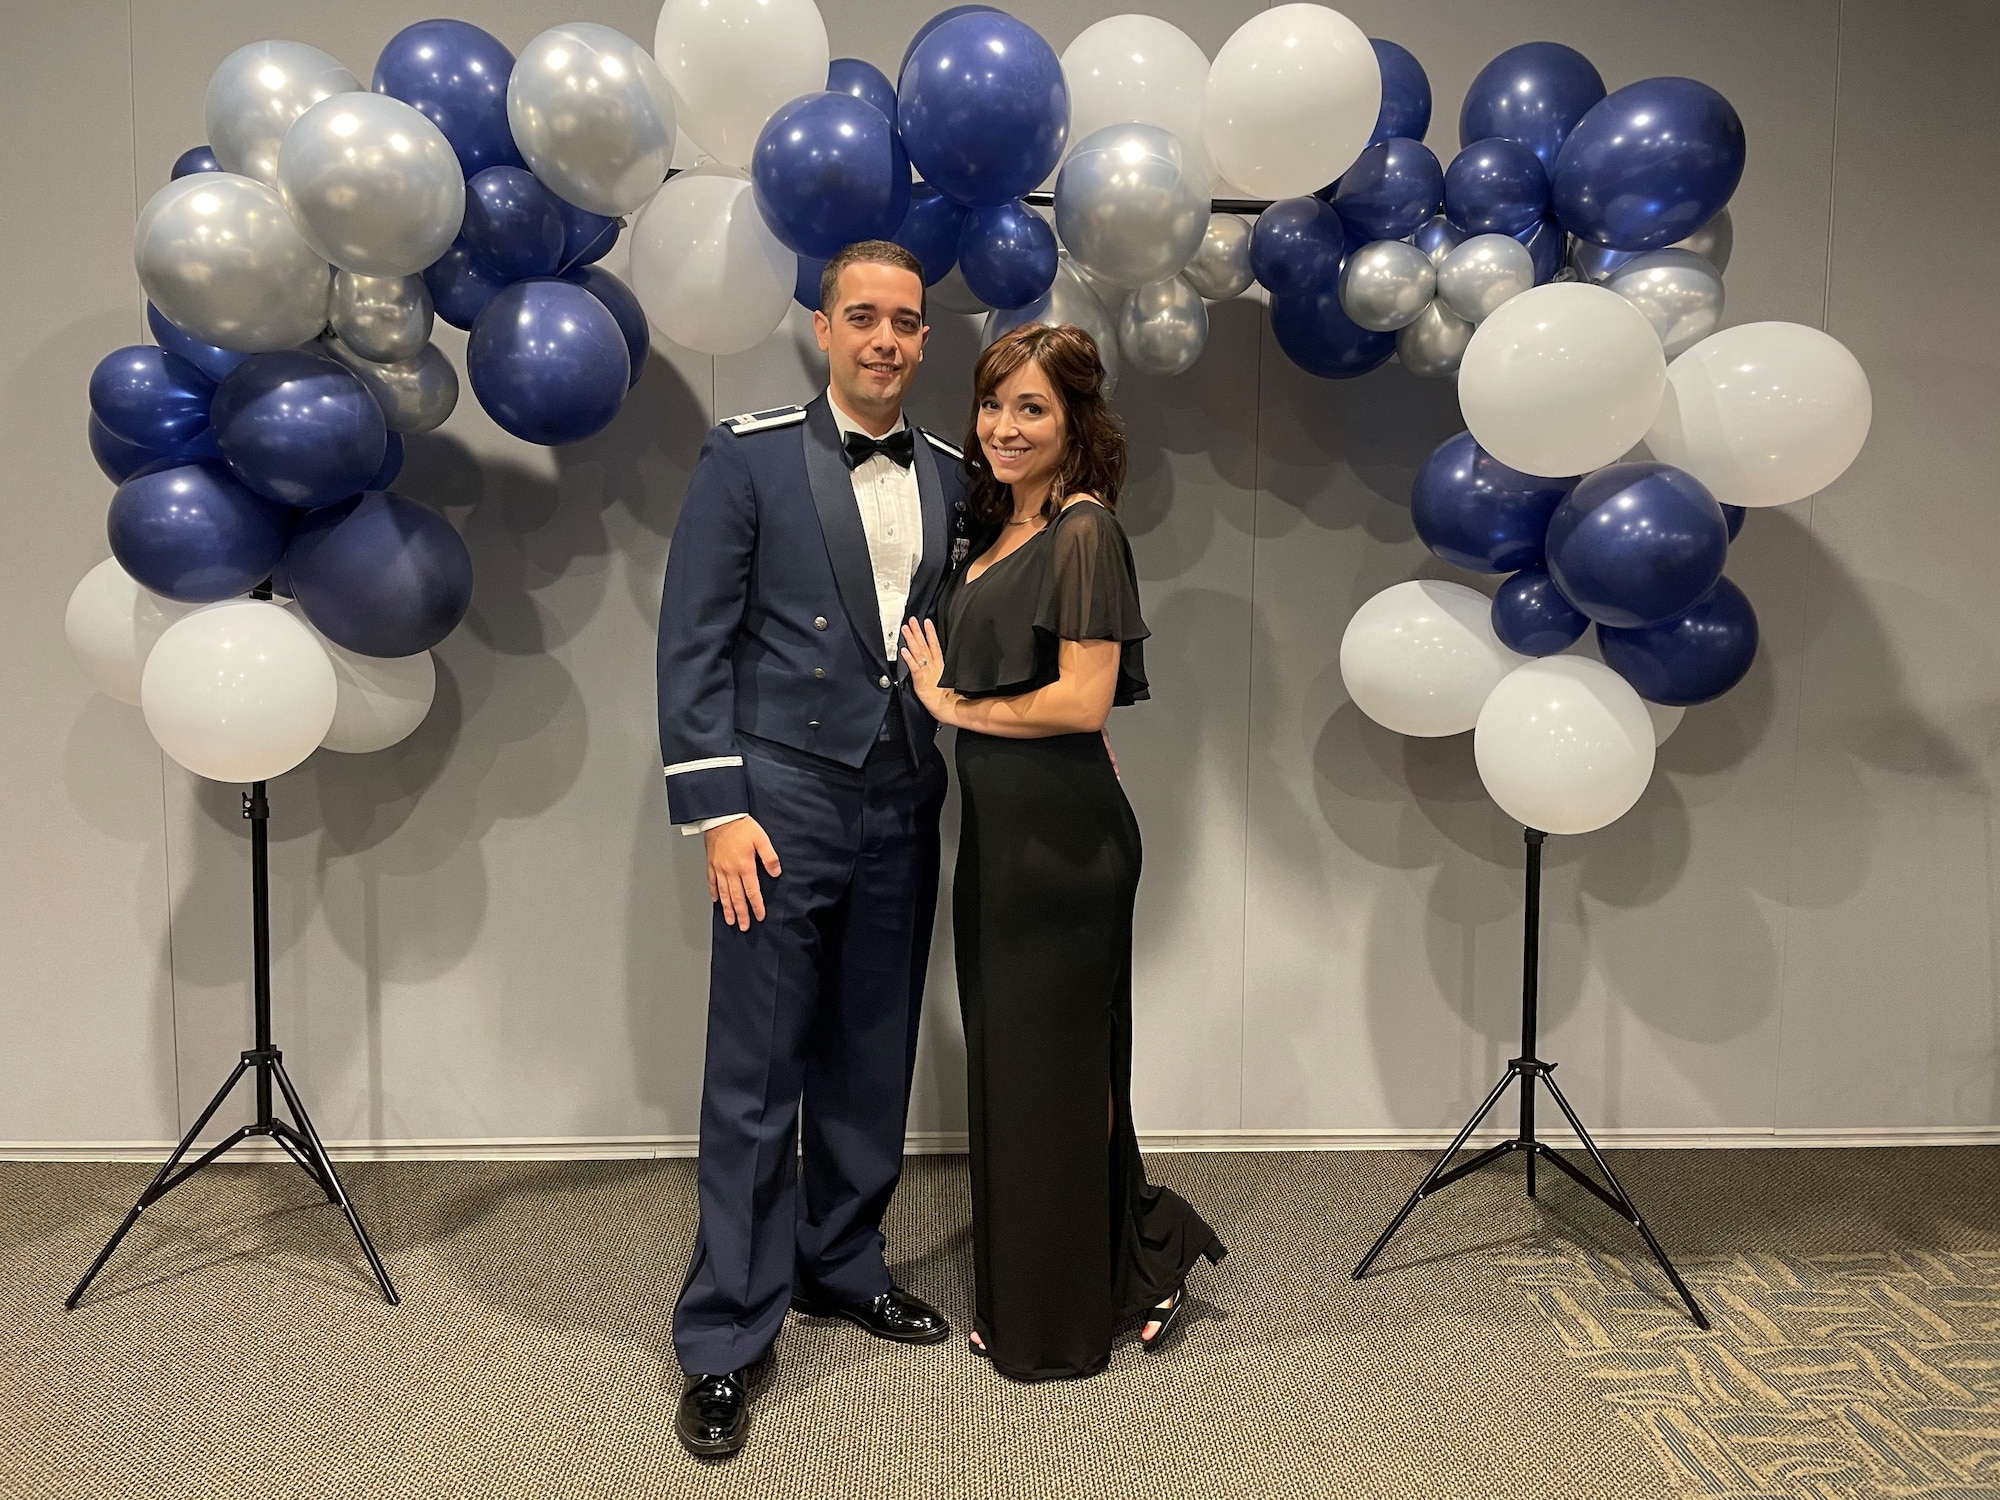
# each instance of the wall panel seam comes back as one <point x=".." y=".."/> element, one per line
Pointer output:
<point x="1249" y="723"/>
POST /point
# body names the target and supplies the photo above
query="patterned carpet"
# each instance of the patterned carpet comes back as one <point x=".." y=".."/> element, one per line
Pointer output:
<point x="236" y="1346"/>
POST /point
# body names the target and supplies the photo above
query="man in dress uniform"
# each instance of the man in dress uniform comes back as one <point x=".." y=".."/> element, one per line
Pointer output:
<point x="794" y="750"/>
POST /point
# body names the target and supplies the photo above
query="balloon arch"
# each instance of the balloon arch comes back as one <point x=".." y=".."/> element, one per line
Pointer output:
<point x="1565" y="268"/>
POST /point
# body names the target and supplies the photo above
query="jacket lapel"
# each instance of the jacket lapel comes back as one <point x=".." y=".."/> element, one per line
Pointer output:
<point x="840" y="523"/>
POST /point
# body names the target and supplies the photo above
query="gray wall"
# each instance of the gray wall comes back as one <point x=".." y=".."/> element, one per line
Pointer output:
<point x="491" y="932"/>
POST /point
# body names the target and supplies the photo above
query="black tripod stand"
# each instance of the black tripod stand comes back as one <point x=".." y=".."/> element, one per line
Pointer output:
<point x="1530" y="1069"/>
<point x="300" y="1141"/>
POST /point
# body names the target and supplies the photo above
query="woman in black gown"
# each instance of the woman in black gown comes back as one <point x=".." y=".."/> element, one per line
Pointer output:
<point x="1041" y="638"/>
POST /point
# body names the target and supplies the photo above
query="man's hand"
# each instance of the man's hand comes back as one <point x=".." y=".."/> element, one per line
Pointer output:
<point x="734" y="851"/>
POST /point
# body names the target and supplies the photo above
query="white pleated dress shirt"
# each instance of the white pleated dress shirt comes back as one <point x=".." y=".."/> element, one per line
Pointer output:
<point x="892" y="517"/>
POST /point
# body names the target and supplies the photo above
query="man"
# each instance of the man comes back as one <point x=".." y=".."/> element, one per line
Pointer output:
<point x="791" y="746"/>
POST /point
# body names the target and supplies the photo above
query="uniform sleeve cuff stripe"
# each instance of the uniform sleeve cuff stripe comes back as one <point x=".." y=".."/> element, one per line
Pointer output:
<point x="713" y="763"/>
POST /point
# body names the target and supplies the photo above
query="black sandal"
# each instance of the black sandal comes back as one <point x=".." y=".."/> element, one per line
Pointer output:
<point x="977" y="1348"/>
<point x="1166" y="1314"/>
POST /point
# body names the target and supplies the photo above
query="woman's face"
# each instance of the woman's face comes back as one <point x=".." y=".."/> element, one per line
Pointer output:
<point x="1022" y="430"/>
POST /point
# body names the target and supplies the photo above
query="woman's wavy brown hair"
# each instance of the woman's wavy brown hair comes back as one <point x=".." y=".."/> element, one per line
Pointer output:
<point x="1093" y="461"/>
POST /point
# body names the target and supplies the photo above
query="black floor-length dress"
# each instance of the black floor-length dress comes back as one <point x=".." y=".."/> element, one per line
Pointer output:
<point x="1069" y="1239"/>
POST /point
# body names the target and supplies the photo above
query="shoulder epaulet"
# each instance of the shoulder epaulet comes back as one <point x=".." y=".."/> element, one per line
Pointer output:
<point x="941" y="445"/>
<point x="758" y="421"/>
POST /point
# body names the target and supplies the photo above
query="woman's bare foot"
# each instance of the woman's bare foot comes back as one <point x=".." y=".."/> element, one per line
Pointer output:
<point x="976" y="1341"/>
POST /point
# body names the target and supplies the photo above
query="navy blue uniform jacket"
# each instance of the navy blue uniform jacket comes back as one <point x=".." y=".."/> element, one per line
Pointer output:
<point x="769" y="623"/>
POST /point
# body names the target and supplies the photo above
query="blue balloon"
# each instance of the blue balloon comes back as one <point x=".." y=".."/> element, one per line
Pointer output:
<point x="983" y="108"/>
<point x="1296" y="246"/>
<point x="513" y="225"/>
<point x="828" y="170"/>
<point x="1317" y="335"/>
<point x="1531" y="616"/>
<point x="1547" y="242"/>
<point x="192" y="532"/>
<point x="619" y="301"/>
<point x="1390" y="190"/>
<point x="455" y="75"/>
<point x="392" y="464"/>
<point x="211" y="361"/>
<point x="1534" y="93"/>
<point x="1734" y="515"/>
<point x="1495" y="186"/>
<point x="930" y="232"/>
<point x="1699" y="655"/>
<point x="461" y="285"/>
<point x="1635" y="544"/>
<point x="194" y="159"/>
<point x="1475" y="512"/>
<point x="380" y="574"/>
<point x="549" y="362"/>
<point x="299" y="427"/>
<point x="865" y="81"/>
<point x="118" y="459"/>
<point x="587" y="237"/>
<point x="1406" y="93"/>
<point x="150" y="396"/>
<point x="1007" y="255"/>
<point x="1649" y="165"/>
<point x="805" y="286"/>
<point x="950" y="13"/>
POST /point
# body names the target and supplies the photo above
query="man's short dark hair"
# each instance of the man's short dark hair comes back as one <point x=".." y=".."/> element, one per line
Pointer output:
<point x="868" y="252"/>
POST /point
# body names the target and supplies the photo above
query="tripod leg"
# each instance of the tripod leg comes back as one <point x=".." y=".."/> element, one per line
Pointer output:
<point x="154" y="1189"/>
<point x="1436" y="1171"/>
<point x="332" y="1179"/>
<point x="282" y="1134"/>
<point x="1632" y="1210"/>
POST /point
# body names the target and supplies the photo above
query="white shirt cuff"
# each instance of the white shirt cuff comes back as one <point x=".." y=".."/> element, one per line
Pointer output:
<point x="688" y="830"/>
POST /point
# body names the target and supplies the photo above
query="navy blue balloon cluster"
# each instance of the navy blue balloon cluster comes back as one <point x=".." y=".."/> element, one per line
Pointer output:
<point x="980" y="110"/>
<point x="1547" y="154"/>
<point x="1635" y="548"/>
<point x="556" y="340"/>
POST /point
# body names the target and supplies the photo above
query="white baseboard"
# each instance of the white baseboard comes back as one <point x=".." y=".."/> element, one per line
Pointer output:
<point x="931" y="1143"/>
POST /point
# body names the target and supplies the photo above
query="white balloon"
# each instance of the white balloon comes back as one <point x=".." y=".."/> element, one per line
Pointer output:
<point x="256" y="93"/>
<point x="112" y="624"/>
<point x="1132" y="67"/>
<point x="373" y="185"/>
<point x="1564" y="745"/>
<point x="1420" y="657"/>
<point x="707" y="268"/>
<point x="731" y="63"/>
<point x="1763" y="414"/>
<point x="1666" y="719"/>
<point x="380" y="699"/>
<point x="1291" y="100"/>
<point x="238" y="691"/>
<point x="1562" y="379"/>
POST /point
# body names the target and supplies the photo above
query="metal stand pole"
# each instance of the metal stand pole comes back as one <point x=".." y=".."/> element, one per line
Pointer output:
<point x="300" y="1141"/>
<point x="1530" y="1070"/>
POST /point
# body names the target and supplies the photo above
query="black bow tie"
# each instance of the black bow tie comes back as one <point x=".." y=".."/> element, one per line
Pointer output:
<point x="900" y="447"/>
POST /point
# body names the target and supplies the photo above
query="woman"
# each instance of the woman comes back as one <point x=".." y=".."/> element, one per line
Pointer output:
<point x="1041" y="639"/>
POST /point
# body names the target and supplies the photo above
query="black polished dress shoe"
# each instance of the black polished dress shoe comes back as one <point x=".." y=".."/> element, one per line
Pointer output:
<point x="714" y="1415"/>
<point x="894" y="1315"/>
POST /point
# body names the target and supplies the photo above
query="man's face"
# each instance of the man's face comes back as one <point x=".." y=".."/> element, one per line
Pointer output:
<point x="874" y="337"/>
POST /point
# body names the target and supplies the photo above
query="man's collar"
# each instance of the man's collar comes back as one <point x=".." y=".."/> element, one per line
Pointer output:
<point x="847" y="424"/>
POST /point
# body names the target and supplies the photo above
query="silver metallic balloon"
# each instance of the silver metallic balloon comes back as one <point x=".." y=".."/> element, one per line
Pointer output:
<point x="952" y="294"/>
<point x="381" y="318"/>
<point x="1713" y="242"/>
<point x="1386" y="285"/>
<point x="1070" y="300"/>
<point x="1162" y="327"/>
<point x="1131" y="204"/>
<point x="1484" y="272"/>
<point x="373" y="185"/>
<point x="1434" y="344"/>
<point x="221" y="259"/>
<point x="1437" y="237"/>
<point x="1595" y="263"/>
<point x="1221" y="267"/>
<point x="257" y="93"/>
<point x="1678" y="291"/>
<point x="415" y="394"/>
<point x="593" y="116"/>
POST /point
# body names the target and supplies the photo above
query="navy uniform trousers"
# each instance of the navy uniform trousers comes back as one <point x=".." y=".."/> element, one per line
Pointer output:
<point x="812" y="1034"/>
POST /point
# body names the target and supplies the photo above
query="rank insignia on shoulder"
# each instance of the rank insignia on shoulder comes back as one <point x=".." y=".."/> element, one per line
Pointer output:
<point x="942" y="446"/>
<point x="758" y="421"/>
